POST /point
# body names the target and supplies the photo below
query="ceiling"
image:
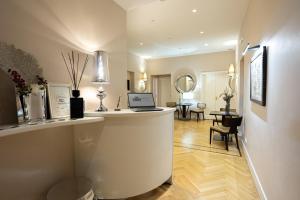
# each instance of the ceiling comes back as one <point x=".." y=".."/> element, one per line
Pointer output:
<point x="131" y="4"/>
<point x="168" y="28"/>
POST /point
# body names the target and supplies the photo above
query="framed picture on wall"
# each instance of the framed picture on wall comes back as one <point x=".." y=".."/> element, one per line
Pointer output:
<point x="59" y="100"/>
<point x="258" y="76"/>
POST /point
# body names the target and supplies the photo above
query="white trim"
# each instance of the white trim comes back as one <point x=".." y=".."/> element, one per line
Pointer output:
<point x="258" y="185"/>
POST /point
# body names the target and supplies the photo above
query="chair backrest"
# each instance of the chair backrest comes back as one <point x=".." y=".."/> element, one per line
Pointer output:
<point x="171" y="104"/>
<point x="201" y="105"/>
<point x="231" y="110"/>
<point x="232" y="122"/>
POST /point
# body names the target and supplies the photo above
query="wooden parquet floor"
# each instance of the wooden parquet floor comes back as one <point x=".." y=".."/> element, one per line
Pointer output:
<point x="204" y="172"/>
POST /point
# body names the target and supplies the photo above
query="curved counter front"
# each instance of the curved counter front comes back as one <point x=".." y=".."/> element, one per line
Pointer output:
<point x="127" y="155"/>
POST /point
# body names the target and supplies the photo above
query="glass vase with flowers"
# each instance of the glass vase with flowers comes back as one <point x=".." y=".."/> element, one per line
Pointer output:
<point x="23" y="91"/>
<point x="227" y="96"/>
<point x="42" y="94"/>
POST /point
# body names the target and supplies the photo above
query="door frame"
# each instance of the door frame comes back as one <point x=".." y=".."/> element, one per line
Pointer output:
<point x="156" y="98"/>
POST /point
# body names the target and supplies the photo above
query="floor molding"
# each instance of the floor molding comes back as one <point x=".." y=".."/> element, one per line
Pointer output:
<point x="258" y="185"/>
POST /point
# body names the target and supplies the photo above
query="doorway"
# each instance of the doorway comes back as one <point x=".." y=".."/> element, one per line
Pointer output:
<point x="161" y="88"/>
<point x="130" y="81"/>
<point x="214" y="83"/>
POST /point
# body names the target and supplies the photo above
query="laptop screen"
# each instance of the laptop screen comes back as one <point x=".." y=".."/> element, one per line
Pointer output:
<point x="137" y="100"/>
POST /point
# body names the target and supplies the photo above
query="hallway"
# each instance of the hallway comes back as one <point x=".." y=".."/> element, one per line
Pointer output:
<point x="204" y="172"/>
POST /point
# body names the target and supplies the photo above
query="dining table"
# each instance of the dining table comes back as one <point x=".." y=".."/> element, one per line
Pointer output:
<point x="222" y="114"/>
<point x="184" y="107"/>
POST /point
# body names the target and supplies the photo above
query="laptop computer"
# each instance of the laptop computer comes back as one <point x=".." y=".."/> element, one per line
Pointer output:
<point x="142" y="102"/>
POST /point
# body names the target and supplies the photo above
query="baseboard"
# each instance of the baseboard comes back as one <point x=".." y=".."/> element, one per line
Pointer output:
<point x="258" y="185"/>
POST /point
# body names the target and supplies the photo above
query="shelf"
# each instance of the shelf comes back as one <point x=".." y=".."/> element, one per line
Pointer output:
<point x="34" y="126"/>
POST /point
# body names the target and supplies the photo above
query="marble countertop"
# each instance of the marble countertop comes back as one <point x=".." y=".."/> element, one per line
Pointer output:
<point x="39" y="125"/>
<point x="128" y="113"/>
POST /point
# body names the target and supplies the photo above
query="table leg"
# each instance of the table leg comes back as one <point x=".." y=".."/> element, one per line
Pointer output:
<point x="184" y="111"/>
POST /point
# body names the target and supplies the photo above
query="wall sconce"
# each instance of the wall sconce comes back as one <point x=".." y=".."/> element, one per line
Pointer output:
<point x="142" y="85"/>
<point x="231" y="70"/>
<point x="144" y="76"/>
<point x="142" y="82"/>
<point x="249" y="48"/>
<point x="231" y="74"/>
<point x="101" y="77"/>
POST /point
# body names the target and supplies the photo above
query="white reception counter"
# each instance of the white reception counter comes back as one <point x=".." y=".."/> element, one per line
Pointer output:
<point x="127" y="155"/>
<point x="123" y="153"/>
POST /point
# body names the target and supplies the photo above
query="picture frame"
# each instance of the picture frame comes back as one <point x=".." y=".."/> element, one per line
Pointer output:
<point x="258" y="76"/>
<point x="59" y="100"/>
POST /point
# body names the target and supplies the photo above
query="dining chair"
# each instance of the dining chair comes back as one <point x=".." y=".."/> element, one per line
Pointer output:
<point x="229" y="126"/>
<point x="198" y="110"/>
<point x="174" y="105"/>
<point x="219" y="119"/>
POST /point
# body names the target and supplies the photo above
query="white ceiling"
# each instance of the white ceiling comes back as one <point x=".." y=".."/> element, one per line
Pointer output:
<point x="131" y="4"/>
<point x="167" y="28"/>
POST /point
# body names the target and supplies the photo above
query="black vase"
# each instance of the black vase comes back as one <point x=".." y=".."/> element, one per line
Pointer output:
<point x="76" y="105"/>
<point x="227" y="107"/>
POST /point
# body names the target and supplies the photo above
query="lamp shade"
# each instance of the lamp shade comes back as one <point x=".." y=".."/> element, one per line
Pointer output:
<point x="102" y="71"/>
<point x="144" y="76"/>
<point x="231" y="69"/>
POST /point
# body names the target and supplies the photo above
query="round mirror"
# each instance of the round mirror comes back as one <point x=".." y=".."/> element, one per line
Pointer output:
<point x="185" y="83"/>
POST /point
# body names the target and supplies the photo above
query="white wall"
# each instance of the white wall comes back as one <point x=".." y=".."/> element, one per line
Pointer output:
<point x="44" y="28"/>
<point x="194" y="65"/>
<point x="31" y="163"/>
<point x="272" y="132"/>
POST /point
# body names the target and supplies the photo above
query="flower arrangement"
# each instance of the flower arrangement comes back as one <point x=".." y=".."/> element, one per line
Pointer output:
<point x="227" y="96"/>
<point x="22" y="87"/>
<point x="41" y="82"/>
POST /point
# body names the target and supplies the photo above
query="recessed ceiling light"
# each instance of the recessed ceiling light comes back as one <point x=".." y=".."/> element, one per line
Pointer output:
<point x="206" y="44"/>
<point x="201" y="32"/>
<point x="194" y="10"/>
<point x="141" y="43"/>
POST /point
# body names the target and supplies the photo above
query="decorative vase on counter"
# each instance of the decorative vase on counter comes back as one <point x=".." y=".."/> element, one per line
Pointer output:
<point x="25" y="101"/>
<point x="37" y="110"/>
<point x="76" y="102"/>
<point x="76" y="105"/>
